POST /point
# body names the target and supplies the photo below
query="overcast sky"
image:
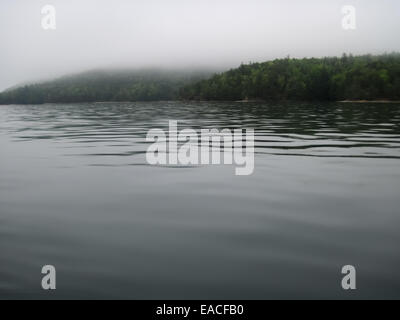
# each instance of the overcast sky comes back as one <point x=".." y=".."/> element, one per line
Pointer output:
<point x="184" y="33"/>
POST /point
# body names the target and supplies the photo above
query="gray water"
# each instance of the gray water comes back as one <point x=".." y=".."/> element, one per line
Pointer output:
<point x="76" y="192"/>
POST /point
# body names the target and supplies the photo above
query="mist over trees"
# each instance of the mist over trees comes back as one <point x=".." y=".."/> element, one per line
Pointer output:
<point x="106" y="85"/>
<point x="327" y="79"/>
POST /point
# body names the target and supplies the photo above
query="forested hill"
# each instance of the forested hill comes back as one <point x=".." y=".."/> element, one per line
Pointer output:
<point x="106" y="85"/>
<point x="346" y="78"/>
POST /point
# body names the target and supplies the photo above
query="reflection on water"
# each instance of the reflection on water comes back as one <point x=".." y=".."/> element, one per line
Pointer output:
<point x="76" y="192"/>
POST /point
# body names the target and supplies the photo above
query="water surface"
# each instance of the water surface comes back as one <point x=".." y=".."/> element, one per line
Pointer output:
<point x="76" y="192"/>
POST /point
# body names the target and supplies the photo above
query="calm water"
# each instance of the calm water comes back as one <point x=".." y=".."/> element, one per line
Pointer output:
<point x="76" y="192"/>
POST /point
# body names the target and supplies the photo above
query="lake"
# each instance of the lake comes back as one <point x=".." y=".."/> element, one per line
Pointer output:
<point x="76" y="192"/>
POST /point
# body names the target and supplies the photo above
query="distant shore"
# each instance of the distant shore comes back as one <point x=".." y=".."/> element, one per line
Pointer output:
<point x="347" y="79"/>
<point x="370" y="101"/>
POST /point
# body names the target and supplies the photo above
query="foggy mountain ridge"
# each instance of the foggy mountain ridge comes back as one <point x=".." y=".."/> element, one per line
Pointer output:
<point x="106" y="84"/>
<point x="118" y="72"/>
<point x="365" y="77"/>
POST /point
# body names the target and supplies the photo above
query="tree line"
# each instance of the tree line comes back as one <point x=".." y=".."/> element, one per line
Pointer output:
<point x="339" y="78"/>
<point x="107" y="85"/>
<point x="348" y="77"/>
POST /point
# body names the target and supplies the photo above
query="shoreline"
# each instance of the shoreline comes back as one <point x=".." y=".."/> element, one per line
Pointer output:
<point x="383" y="101"/>
<point x="369" y="101"/>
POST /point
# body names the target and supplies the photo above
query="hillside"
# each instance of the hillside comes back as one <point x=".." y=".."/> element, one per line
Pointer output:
<point x="105" y="85"/>
<point x="353" y="78"/>
<point x="327" y="79"/>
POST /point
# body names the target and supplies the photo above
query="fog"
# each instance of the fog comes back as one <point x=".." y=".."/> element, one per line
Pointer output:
<point x="183" y="33"/>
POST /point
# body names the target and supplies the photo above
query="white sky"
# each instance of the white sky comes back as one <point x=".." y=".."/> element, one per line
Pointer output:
<point x="184" y="33"/>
